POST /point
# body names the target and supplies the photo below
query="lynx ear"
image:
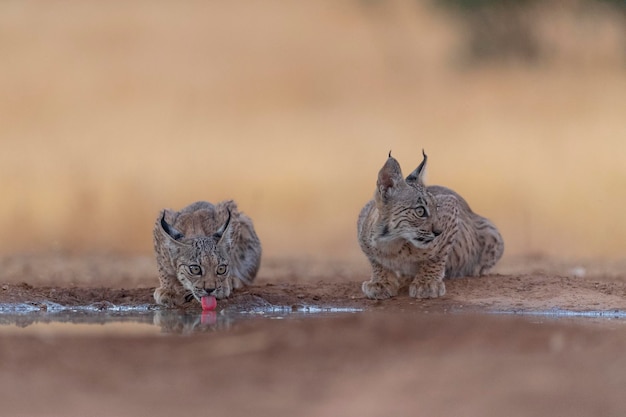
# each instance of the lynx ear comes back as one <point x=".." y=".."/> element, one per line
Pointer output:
<point x="224" y="232"/>
<point x="417" y="176"/>
<point x="389" y="177"/>
<point x="169" y="230"/>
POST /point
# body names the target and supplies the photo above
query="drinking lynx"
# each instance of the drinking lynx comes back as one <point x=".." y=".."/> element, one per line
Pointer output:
<point x="203" y="252"/>
<point x="416" y="235"/>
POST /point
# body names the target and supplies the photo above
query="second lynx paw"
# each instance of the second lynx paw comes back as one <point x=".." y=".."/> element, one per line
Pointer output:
<point x="427" y="289"/>
<point x="223" y="290"/>
<point x="165" y="297"/>
<point x="379" y="290"/>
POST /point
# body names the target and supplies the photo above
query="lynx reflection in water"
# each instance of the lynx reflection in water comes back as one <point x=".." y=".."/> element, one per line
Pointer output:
<point x="52" y="319"/>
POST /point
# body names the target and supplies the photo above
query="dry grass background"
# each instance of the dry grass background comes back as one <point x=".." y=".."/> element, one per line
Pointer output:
<point x="110" y="111"/>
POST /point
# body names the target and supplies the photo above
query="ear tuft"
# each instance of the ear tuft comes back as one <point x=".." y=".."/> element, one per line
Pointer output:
<point x="169" y="230"/>
<point x="224" y="232"/>
<point x="417" y="176"/>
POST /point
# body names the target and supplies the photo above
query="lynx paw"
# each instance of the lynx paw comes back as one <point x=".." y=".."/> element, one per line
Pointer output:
<point x="379" y="290"/>
<point x="165" y="297"/>
<point x="236" y="283"/>
<point x="223" y="291"/>
<point x="427" y="289"/>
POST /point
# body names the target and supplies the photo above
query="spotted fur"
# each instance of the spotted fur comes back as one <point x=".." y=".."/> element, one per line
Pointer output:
<point x="416" y="235"/>
<point x="204" y="249"/>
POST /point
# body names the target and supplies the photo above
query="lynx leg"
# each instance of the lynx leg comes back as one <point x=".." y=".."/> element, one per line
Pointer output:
<point x="235" y="283"/>
<point x="429" y="281"/>
<point x="224" y="288"/>
<point x="165" y="297"/>
<point x="383" y="284"/>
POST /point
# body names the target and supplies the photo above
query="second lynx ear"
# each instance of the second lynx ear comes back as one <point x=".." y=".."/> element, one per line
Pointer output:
<point x="389" y="176"/>
<point x="224" y="227"/>
<point x="223" y="235"/>
<point x="168" y="230"/>
<point x="417" y="176"/>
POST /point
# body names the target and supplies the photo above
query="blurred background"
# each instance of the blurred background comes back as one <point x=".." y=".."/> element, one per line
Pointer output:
<point x="112" y="110"/>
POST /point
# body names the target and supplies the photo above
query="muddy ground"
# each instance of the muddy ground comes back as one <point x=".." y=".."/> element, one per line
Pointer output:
<point x="475" y="352"/>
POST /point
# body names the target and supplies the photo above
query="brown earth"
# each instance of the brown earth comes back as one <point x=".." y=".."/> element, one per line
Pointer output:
<point x="446" y="357"/>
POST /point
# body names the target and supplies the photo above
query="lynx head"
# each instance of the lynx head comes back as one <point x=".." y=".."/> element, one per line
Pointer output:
<point x="201" y="262"/>
<point x="407" y="210"/>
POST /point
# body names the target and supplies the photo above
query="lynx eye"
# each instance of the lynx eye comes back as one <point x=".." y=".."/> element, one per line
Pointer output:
<point x="420" y="211"/>
<point x="221" y="269"/>
<point x="195" y="270"/>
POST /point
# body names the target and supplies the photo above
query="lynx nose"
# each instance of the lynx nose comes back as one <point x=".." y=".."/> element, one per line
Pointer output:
<point x="437" y="232"/>
<point x="209" y="290"/>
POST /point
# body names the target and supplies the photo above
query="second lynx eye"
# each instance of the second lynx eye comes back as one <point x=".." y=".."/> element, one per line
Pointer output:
<point x="221" y="270"/>
<point x="195" y="270"/>
<point x="420" y="211"/>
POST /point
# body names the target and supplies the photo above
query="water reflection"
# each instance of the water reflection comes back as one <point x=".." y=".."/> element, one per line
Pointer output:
<point x="49" y="318"/>
<point x="186" y="322"/>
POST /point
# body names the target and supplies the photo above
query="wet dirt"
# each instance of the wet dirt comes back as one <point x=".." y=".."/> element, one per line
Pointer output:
<point x="539" y="337"/>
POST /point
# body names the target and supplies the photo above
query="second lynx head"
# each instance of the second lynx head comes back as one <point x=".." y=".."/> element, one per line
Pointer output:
<point x="410" y="213"/>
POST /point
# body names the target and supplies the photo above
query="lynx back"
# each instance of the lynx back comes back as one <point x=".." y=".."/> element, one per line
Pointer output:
<point x="204" y="250"/>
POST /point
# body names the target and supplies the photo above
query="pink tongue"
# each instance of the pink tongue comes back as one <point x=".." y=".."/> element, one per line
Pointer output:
<point x="208" y="303"/>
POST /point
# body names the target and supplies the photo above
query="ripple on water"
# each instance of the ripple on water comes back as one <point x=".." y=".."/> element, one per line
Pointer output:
<point x="557" y="313"/>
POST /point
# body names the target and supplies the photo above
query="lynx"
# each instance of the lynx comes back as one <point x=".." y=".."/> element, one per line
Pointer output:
<point x="416" y="235"/>
<point x="204" y="250"/>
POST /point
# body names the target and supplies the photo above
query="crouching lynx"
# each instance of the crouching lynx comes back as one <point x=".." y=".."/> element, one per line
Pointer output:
<point x="204" y="250"/>
<point x="416" y="235"/>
